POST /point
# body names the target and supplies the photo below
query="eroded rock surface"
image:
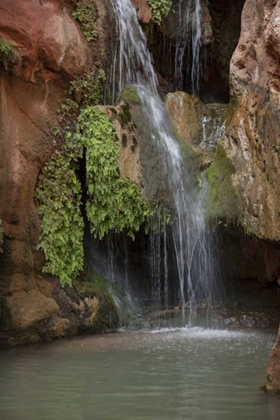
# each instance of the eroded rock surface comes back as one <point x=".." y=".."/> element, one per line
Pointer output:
<point x="53" y="50"/>
<point x="244" y="178"/>
<point x="250" y="144"/>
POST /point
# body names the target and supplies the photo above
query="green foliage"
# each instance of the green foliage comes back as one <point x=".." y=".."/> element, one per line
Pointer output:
<point x="9" y="57"/>
<point x="115" y="202"/>
<point x="58" y="200"/>
<point x="85" y="13"/>
<point x="160" y="9"/>
<point x="58" y="193"/>
<point x="67" y="112"/>
<point x="87" y="90"/>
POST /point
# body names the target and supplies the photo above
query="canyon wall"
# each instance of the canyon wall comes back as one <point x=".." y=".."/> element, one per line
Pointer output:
<point x="51" y="50"/>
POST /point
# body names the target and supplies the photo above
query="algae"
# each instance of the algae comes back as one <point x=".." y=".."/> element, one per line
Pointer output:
<point x="223" y="201"/>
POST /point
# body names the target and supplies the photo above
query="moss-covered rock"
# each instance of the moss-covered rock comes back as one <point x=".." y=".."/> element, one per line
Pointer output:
<point x="150" y="160"/>
<point x="96" y="295"/>
<point x="223" y="200"/>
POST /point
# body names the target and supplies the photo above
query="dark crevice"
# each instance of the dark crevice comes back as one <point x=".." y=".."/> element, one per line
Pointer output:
<point x="224" y="16"/>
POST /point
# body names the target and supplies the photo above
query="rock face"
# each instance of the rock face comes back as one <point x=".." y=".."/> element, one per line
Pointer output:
<point x="244" y="175"/>
<point x="53" y="50"/>
<point x="143" y="10"/>
<point x="273" y="368"/>
<point x="173" y="46"/>
<point x="199" y="124"/>
<point x="140" y="158"/>
<point x="252" y="135"/>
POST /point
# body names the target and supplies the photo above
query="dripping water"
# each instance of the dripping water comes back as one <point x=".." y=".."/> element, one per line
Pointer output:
<point x="189" y="230"/>
<point x="189" y="42"/>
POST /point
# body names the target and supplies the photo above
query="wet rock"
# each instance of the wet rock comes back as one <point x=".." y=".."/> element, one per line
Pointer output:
<point x="171" y="28"/>
<point x="200" y="125"/>
<point x="143" y="10"/>
<point x="247" y="156"/>
<point x="255" y="318"/>
<point x="140" y="159"/>
<point x="273" y="368"/>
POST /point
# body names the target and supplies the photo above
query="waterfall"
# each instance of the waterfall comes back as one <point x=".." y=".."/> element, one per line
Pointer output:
<point x="135" y="63"/>
<point x="189" y="40"/>
<point x="189" y="230"/>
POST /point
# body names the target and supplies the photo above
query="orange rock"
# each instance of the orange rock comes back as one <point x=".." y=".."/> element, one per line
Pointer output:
<point x="143" y="10"/>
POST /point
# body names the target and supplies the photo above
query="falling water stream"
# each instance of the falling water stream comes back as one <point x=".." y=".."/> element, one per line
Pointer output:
<point x="189" y="230"/>
<point x="187" y="373"/>
<point x="189" y="40"/>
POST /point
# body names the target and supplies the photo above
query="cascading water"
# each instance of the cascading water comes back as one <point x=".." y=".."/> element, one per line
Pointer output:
<point x="135" y="63"/>
<point x="188" y="227"/>
<point x="189" y="40"/>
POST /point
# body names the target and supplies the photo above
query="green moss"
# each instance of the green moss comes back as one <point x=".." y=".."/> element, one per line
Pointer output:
<point x="129" y="95"/>
<point x="160" y="9"/>
<point x="58" y="200"/>
<point x="95" y="286"/>
<point x="114" y="203"/>
<point x="9" y="57"/>
<point x="85" y="13"/>
<point x="223" y="199"/>
<point x="124" y="114"/>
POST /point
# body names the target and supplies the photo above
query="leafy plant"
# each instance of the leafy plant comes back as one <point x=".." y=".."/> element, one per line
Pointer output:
<point x="58" y="192"/>
<point x="160" y="9"/>
<point x="87" y="90"/>
<point x="85" y="13"/>
<point x="9" y="57"/>
<point x="115" y="202"/>
<point x="58" y="199"/>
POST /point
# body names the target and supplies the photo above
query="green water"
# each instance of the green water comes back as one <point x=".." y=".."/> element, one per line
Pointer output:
<point x="185" y="374"/>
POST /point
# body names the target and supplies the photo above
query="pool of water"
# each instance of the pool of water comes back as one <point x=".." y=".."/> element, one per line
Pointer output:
<point x="167" y="374"/>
